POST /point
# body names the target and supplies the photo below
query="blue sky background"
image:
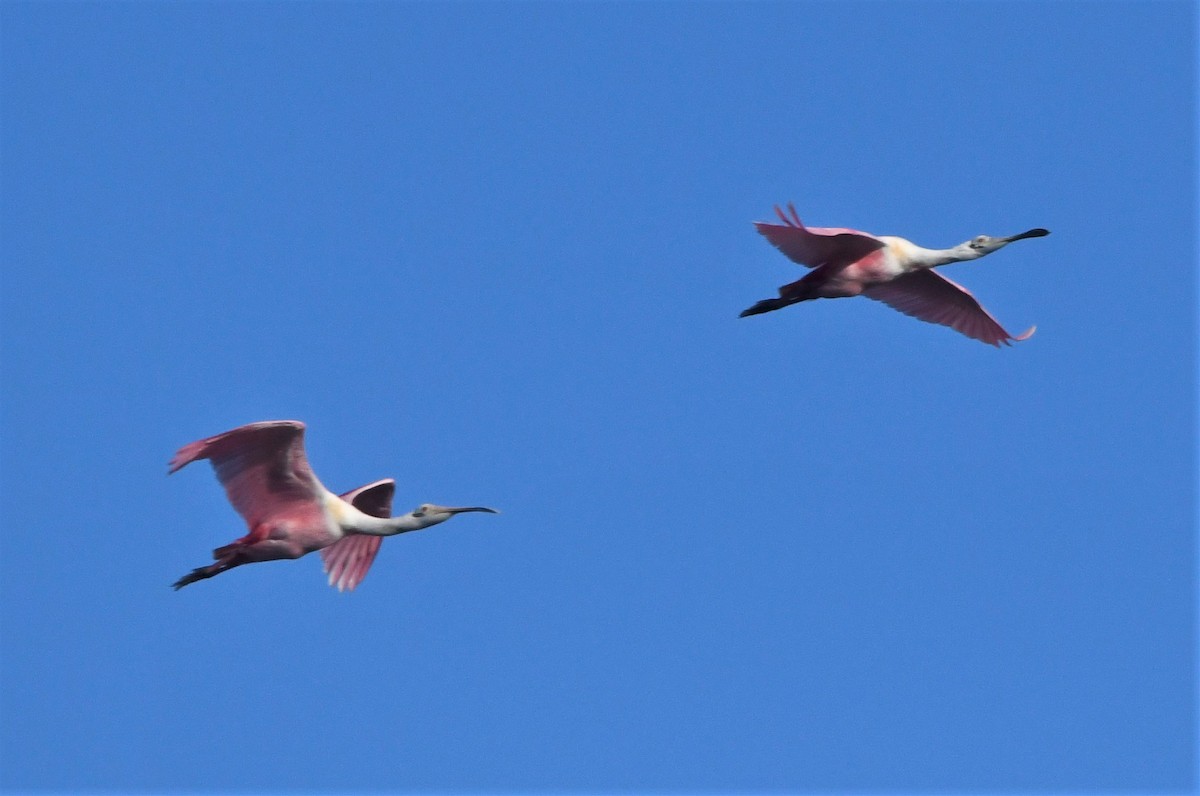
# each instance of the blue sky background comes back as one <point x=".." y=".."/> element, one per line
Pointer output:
<point x="497" y="252"/>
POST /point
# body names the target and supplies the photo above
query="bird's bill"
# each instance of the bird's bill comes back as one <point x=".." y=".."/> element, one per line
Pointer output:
<point x="1032" y="233"/>
<point x="464" y="509"/>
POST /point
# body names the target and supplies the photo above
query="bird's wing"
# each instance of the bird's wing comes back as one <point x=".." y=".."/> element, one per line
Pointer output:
<point x="374" y="498"/>
<point x="348" y="559"/>
<point x="814" y="246"/>
<point x="932" y="297"/>
<point x="263" y="469"/>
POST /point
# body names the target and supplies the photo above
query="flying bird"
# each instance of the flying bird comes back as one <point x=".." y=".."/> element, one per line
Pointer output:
<point x="899" y="273"/>
<point x="290" y="513"/>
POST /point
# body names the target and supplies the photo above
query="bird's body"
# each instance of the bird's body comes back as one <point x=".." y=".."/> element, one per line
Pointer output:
<point x="893" y="270"/>
<point x="881" y="265"/>
<point x="290" y="513"/>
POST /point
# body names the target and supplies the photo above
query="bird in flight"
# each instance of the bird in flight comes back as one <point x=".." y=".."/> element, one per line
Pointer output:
<point x="290" y="513"/>
<point x="899" y="273"/>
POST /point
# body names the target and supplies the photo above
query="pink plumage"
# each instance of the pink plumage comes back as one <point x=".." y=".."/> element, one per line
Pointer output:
<point x="290" y="513"/>
<point x="931" y="297"/>
<point x="264" y="471"/>
<point x="892" y="270"/>
<point x="816" y="246"/>
<point x="348" y="559"/>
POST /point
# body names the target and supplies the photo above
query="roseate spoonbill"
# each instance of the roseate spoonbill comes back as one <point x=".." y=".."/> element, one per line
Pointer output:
<point x="899" y="273"/>
<point x="290" y="513"/>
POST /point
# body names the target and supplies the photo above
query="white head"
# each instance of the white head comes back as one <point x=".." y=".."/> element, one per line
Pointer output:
<point x="428" y="514"/>
<point x="986" y="244"/>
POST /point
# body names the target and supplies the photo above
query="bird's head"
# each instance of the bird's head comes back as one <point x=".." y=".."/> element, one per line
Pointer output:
<point x="986" y="244"/>
<point x="428" y="514"/>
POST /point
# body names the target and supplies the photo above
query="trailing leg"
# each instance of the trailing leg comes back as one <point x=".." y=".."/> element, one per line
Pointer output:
<point x="201" y="573"/>
<point x="767" y="305"/>
<point x="800" y="290"/>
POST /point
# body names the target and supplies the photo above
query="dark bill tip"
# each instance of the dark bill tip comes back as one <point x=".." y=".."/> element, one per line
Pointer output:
<point x="473" y="508"/>
<point x="1033" y="233"/>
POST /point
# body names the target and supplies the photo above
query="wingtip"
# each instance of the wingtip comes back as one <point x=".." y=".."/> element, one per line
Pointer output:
<point x="1010" y="339"/>
<point x="177" y="461"/>
<point x="186" y="455"/>
<point x="794" y="221"/>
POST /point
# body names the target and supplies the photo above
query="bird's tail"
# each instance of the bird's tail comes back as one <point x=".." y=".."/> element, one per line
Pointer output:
<point x="767" y="305"/>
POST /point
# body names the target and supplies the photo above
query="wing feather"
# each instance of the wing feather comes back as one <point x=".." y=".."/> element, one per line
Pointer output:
<point x="348" y="559"/>
<point x="932" y="297"/>
<point x="263" y="469"/>
<point x="814" y="246"/>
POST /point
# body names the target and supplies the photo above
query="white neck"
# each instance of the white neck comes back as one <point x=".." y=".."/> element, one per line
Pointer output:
<point x="931" y="258"/>
<point x="379" y="526"/>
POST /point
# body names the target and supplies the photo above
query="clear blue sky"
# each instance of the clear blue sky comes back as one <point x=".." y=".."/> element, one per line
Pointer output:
<point x="497" y="251"/>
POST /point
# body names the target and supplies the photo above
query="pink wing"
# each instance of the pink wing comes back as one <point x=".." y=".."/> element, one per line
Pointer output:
<point x="263" y="469"/>
<point x="348" y="559"/>
<point x="934" y="298"/>
<point x="814" y="246"/>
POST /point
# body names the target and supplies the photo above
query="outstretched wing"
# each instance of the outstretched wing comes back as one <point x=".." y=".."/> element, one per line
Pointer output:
<point x="375" y="498"/>
<point x="932" y="297"/>
<point x="814" y="246"/>
<point x="348" y="559"/>
<point x="263" y="469"/>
